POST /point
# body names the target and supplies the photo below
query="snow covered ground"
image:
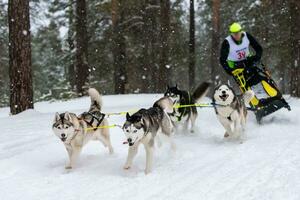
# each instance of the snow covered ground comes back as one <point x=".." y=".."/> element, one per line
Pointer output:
<point x="266" y="166"/>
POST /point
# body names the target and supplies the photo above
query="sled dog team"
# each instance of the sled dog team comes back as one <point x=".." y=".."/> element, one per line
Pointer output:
<point x="151" y="125"/>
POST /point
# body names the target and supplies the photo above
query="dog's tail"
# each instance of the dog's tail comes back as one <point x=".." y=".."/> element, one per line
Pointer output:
<point x="165" y="103"/>
<point x="201" y="91"/>
<point x="248" y="96"/>
<point x="96" y="100"/>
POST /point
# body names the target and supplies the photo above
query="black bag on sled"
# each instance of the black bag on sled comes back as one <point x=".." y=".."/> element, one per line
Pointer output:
<point x="268" y="98"/>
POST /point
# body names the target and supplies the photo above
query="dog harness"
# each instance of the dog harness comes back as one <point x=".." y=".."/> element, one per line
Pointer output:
<point x="184" y="111"/>
<point x="215" y="107"/>
<point x="96" y="116"/>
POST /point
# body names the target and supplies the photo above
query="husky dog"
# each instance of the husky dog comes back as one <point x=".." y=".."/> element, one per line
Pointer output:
<point x="231" y="110"/>
<point x="144" y="126"/>
<point x="72" y="129"/>
<point x="181" y="97"/>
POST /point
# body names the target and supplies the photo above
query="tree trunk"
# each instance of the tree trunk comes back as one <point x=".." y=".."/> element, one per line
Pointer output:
<point x="192" y="60"/>
<point x="71" y="44"/>
<point x="215" y="42"/>
<point x="295" y="47"/>
<point x="81" y="63"/>
<point x="154" y="42"/>
<point x="145" y="68"/>
<point x="282" y="74"/>
<point x="119" y="47"/>
<point x="150" y="41"/>
<point x="163" y="76"/>
<point x="21" y="92"/>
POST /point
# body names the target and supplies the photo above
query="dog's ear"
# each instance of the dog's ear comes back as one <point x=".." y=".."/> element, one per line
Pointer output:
<point x="57" y="117"/>
<point x="228" y="83"/>
<point x="176" y="86"/>
<point x="127" y="116"/>
<point x="67" y="116"/>
<point x="218" y="86"/>
<point x="168" y="87"/>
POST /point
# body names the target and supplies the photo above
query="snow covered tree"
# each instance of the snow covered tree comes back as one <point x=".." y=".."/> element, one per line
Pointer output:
<point x="139" y="46"/>
<point x="21" y="91"/>
<point x="48" y="63"/>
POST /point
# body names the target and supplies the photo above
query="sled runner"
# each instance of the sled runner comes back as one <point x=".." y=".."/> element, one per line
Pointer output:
<point x="268" y="98"/>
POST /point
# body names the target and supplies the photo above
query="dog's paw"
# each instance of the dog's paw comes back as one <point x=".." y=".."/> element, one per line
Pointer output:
<point x="126" y="167"/>
<point x="68" y="167"/>
<point x="241" y="141"/>
<point x="147" y="171"/>
<point x="111" y="150"/>
<point x="173" y="146"/>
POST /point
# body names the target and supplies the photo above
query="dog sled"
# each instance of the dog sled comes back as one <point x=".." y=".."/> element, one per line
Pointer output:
<point x="268" y="98"/>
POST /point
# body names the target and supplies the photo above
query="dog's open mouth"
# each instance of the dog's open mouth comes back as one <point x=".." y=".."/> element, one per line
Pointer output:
<point x="63" y="139"/>
<point x="130" y="144"/>
<point x="224" y="97"/>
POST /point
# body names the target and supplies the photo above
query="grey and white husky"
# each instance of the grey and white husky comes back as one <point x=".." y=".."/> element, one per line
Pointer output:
<point x="231" y="110"/>
<point x="144" y="126"/>
<point x="72" y="129"/>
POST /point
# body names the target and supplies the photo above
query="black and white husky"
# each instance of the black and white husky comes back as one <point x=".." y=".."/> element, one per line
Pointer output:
<point x="72" y="129"/>
<point x="231" y="110"/>
<point x="182" y="97"/>
<point x="144" y="126"/>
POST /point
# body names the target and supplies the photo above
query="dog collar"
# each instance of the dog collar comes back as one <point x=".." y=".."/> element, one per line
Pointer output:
<point x="76" y="132"/>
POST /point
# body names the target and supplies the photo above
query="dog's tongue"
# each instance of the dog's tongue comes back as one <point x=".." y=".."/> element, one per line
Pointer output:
<point x="125" y="142"/>
<point x="223" y="97"/>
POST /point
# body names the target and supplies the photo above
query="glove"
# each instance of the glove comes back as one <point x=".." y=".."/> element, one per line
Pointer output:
<point x="240" y="64"/>
<point x="251" y="61"/>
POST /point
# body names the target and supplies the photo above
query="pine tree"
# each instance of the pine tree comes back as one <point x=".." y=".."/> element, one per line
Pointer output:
<point x="81" y="55"/>
<point x="119" y="46"/>
<point x="214" y="64"/>
<point x="21" y="92"/>
<point x="295" y="47"/>
<point x="71" y="45"/>
<point x="145" y="68"/>
<point x="192" y="55"/>
<point x="163" y="76"/>
<point x="48" y="63"/>
<point x="4" y="86"/>
<point x="149" y="44"/>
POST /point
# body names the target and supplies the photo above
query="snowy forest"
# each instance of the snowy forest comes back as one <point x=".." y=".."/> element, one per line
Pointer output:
<point x="136" y="46"/>
<point x="150" y="99"/>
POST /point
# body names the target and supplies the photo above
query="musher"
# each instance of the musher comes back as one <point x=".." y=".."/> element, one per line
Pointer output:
<point x="239" y="61"/>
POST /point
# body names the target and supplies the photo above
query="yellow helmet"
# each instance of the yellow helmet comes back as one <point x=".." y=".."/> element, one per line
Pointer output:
<point x="235" y="28"/>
